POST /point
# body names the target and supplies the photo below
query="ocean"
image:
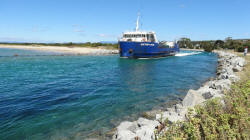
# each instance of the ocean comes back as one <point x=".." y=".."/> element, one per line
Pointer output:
<point x="48" y="96"/>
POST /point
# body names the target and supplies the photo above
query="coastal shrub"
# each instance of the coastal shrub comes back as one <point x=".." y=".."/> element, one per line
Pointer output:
<point x="185" y="43"/>
<point x="219" y="44"/>
<point x="216" y="119"/>
<point x="240" y="49"/>
<point x="207" y="46"/>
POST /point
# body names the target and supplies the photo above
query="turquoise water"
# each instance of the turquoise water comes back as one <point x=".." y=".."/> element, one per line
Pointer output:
<point x="75" y="97"/>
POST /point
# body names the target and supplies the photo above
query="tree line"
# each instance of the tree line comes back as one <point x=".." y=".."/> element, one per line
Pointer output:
<point x="209" y="45"/>
<point x="70" y="44"/>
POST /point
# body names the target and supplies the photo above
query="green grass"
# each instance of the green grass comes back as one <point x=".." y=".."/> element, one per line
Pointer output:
<point x="217" y="119"/>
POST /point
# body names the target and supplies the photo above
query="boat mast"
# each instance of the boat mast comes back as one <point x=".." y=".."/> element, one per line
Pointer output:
<point x="137" y="22"/>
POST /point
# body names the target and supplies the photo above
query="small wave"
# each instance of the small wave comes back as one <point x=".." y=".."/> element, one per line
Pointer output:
<point x="186" y="54"/>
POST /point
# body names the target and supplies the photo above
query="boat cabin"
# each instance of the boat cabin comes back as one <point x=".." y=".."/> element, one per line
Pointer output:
<point x="139" y="36"/>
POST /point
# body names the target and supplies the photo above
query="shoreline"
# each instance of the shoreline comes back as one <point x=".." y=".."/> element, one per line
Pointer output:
<point x="228" y="65"/>
<point x="186" y="49"/>
<point x="63" y="50"/>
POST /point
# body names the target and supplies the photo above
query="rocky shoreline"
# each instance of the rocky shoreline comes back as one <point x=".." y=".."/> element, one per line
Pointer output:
<point x="143" y="129"/>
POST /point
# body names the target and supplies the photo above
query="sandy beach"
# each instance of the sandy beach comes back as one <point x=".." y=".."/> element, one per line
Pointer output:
<point x="63" y="50"/>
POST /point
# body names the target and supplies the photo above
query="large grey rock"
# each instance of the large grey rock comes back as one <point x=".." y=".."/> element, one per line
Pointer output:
<point x="145" y="133"/>
<point x="207" y="95"/>
<point x="126" y="125"/>
<point x="125" y="131"/>
<point x="208" y="92"/>
<point x="146" y="128"/>
<point x="124" y="135"/>
<point x="145" y="122"/>
<point x="142" y="128"/>
<point x="241" y="62"/>
<point x="178" y="108"/>
<point x="192" y="98"/>
<point x="172" y="116"/>
<point x="223" y="76"/>
<point x="221" y="84"/>
<point x="238" y="61"/>
<point x="229" y="70"/>
<point x="237" y="68"/>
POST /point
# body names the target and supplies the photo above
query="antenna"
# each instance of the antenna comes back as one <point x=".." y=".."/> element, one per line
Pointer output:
<point x="137" y="22"/>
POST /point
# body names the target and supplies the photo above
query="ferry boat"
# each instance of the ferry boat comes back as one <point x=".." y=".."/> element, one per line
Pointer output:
<point x="144" y="44"/>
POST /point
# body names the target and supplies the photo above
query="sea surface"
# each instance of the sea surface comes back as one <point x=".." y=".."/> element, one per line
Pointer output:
<point x="45" y="96"/>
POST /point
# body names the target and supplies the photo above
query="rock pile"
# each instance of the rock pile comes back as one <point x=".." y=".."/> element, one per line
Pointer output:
<point x="143" y="129"/>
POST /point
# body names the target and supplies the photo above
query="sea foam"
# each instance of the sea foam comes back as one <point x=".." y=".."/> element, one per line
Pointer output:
<point x="186" y="54"/>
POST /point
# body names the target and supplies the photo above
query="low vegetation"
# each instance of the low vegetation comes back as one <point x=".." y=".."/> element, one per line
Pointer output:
<point x="217" y="118"/>
<point x="70" y="44"/>
<point x="209" y="45"/>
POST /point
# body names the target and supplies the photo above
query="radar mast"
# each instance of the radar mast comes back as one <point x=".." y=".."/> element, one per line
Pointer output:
<point x="137" y="22"/>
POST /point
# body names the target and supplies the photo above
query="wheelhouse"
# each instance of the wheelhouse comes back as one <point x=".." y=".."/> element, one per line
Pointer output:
<point x="139" y="37"/>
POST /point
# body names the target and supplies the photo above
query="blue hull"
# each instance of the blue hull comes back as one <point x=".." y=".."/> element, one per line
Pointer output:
<point x="145" y="50"/>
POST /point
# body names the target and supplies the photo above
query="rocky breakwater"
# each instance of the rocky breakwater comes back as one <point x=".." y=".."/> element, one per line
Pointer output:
<point x="143" y="129"/>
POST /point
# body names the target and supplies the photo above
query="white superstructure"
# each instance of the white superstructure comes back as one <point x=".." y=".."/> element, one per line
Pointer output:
<point x="139" y="36"/>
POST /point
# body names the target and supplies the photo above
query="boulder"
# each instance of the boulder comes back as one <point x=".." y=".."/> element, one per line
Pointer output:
<point x="145" y="122"/>
<point x="237" y="68"/>
<point x="241" y="62"/>
<point x="207" y="95"/>
<point x="126" y="125"/>
<point x="173" y="116"/>
<point x="178" y="108"/>
<point x="221" y="84"/>
<point x="192" y="98"/>
<point x="208" y="92"/>
<point x="223" y="76"/>
<point x="145" y="133"/>
<point x="142" y="129"/>
<point x="124" y="135"/>
<point x="238" y="61"/>
<point x="146" y="128"/>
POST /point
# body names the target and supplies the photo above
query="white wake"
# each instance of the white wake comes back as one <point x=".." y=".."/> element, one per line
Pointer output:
<point x="186" y="54"/>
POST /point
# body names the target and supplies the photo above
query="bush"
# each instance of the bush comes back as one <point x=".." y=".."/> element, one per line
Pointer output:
<point x="185" y="43"/>
<point x="240" y="49"/>
<point x="207" y="46"/>
<point x="216" y="120"/>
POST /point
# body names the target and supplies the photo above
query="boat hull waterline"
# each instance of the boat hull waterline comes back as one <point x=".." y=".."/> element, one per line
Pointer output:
<point x="145" y="50"/>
